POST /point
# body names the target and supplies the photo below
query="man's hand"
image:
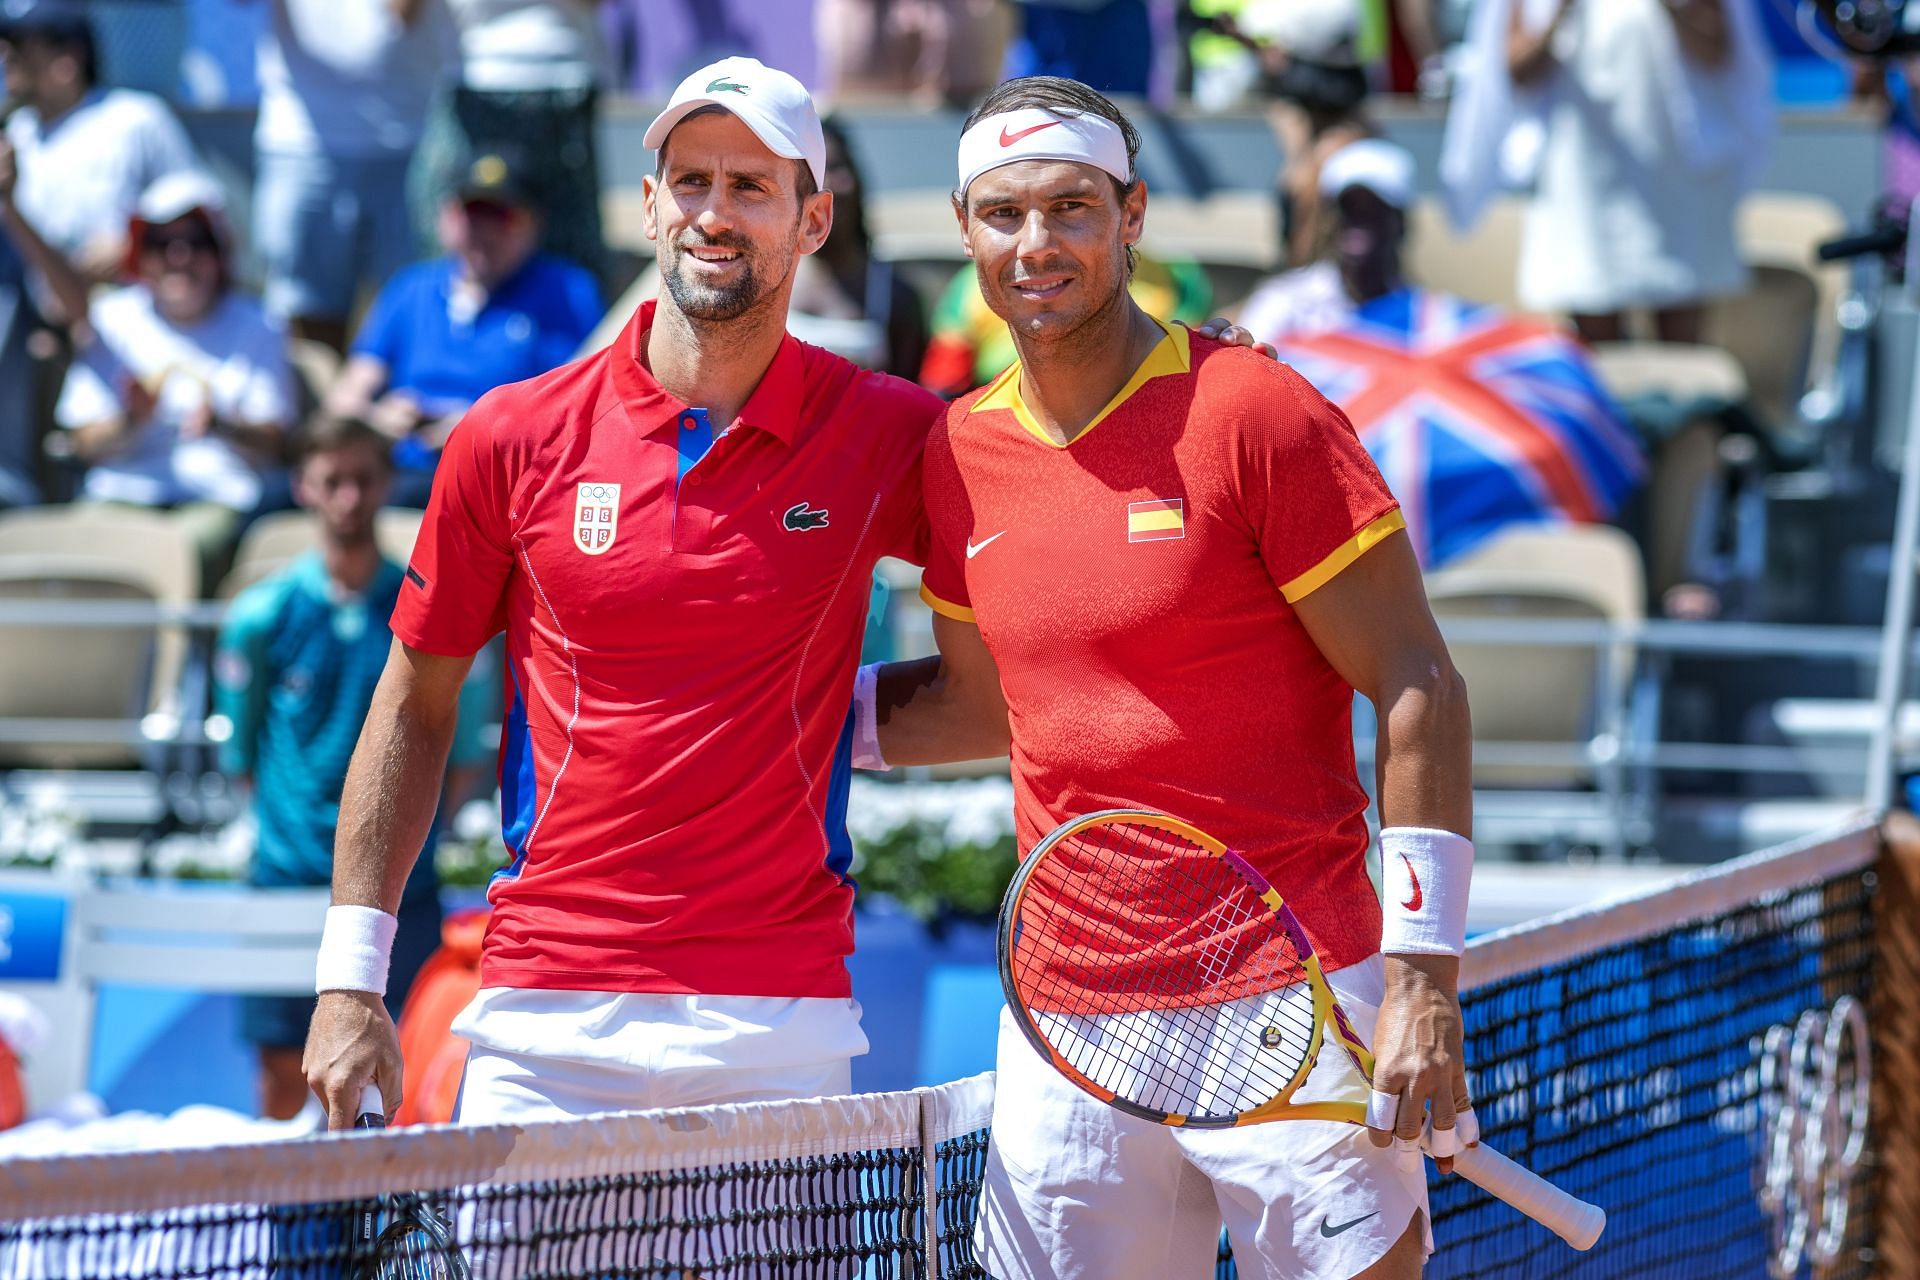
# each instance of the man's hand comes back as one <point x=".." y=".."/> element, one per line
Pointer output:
<point x="352" y="1043"/>
<point x="1223" y="330"/>
<point x="396" y="415"/>
<point x="1417" y="1047"/>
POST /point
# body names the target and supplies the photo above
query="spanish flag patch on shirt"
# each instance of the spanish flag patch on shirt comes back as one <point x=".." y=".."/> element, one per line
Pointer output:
<point x="1156" y="520"/>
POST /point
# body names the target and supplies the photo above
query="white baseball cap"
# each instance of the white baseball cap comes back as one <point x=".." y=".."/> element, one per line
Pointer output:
<point x="1379" y="166"/>
<point x="768" y="101"/>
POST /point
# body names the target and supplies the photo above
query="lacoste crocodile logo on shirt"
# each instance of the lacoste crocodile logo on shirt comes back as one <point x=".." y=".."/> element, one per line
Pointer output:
<point x="799" y="519"/>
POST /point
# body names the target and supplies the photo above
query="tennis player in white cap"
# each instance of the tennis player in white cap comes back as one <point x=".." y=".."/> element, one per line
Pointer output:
<point x="676" y="534"/>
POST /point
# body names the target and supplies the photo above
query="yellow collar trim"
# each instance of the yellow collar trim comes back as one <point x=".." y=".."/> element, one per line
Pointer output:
<point x="1171" y="356"/>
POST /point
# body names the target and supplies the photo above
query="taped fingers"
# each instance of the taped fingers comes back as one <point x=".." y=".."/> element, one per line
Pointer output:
<point x="1383" y="1111"/>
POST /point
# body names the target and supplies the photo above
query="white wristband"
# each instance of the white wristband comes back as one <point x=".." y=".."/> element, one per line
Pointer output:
<point x="1424" y="879"/>
<point x="866" y="721"/>
<point x="355" y="945"/>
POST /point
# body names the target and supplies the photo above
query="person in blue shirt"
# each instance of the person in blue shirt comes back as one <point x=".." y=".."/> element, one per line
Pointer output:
<point x="295" y="671"/>
<point x="443" y="333"/>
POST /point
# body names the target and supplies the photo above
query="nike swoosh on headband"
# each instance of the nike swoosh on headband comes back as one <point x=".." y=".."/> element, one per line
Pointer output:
<point x="1008" y="139"/>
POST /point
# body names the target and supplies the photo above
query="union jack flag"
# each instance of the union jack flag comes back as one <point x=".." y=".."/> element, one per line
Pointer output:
<point x="1478" y="418"/>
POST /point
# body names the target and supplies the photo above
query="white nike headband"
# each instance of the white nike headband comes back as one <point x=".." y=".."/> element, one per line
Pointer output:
<point x="1034" y="133"/>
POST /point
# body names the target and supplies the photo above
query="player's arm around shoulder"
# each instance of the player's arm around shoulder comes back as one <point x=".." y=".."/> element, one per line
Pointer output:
<point x="1372" y="623"/>
<point x="942" y="709"/>
<point x="386" y="809"/>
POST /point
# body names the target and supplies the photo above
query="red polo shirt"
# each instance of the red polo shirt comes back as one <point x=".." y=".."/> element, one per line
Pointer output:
<point x="1136" y="587"/>
<point x="674" y="762"/>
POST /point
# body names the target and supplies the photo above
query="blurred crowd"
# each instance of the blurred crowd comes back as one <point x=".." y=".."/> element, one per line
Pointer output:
<point x="425" y="202"/>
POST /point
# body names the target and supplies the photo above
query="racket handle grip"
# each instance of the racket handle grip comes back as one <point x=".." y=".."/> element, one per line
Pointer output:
<point x="1570" y="1218"/>
<point x="372" y="1112"/>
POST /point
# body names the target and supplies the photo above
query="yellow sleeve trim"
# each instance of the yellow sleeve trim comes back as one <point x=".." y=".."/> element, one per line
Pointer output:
<point x="946" y="608"/>
<point x="1342" y="556"/>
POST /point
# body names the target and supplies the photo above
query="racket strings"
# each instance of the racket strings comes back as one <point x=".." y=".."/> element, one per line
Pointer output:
<point x="1157" y="973"/>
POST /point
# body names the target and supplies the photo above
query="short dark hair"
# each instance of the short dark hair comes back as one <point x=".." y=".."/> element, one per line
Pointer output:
<point x="803" y="185"/>
<point x="330" y="432"/>
<point x="1063" y="97"/>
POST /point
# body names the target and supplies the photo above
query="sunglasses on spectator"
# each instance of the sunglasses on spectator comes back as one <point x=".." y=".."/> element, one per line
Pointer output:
<point x="194" y="241"/>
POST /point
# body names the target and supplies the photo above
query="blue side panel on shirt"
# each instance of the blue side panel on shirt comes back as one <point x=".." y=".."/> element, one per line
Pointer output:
<point x="519" y="789"/>
<point x="839" y="784"/>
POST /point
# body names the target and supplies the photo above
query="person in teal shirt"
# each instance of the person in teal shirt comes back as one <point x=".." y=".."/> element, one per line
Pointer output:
<point x="294" y="673"/>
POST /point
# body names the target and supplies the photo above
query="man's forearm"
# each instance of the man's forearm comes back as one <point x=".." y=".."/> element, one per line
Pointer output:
<point x="386" y="809"/>
<point x="927" y="716"/>
<point x="1424" y="752"/>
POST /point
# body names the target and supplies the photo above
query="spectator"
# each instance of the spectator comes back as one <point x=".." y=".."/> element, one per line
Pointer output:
<point x="971" y="345"/>
<point x="1652" y="118"/>
<point x="444" y="333"/>
<point x="528" y="77"/>
<point x="294" y="675"/>
<point x="932" y="51"/>
<point x="847" y="300"/>
<point x="84" y="154"/>
<point x="1368" y="186"/>
<point x="1107" y="44"/>
<point x="344" y="86"/>
<point x="183" y="396"/>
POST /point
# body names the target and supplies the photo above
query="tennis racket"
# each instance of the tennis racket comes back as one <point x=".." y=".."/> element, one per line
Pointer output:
<point x="402" y="1236"/>
<point x="1159" y="971"/>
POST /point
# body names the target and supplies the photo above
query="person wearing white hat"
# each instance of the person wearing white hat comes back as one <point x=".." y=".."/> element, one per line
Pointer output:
<point x="183" y="397"/>
<point x="1368" y="186"/>
<point x="676" y="534"/>
<point x="1133" y="528"/>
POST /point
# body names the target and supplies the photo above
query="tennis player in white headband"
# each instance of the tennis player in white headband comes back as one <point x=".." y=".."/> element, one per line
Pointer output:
<point x="1132" y="528"/>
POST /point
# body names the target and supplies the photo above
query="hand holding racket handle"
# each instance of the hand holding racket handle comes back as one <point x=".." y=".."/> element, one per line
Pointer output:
<point x="371" y="1114"/>
<point x="1569" y="1217"/>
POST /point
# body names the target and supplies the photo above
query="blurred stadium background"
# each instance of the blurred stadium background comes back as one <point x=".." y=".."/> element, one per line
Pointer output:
<point x="1690" y="680"/>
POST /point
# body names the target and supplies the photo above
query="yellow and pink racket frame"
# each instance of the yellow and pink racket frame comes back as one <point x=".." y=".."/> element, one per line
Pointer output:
<point x="1327" y="1013"/>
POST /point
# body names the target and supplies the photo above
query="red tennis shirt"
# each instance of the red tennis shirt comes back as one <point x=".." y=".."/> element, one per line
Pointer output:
<point x="1135" y="588"/>
<point x="681" y="654"/>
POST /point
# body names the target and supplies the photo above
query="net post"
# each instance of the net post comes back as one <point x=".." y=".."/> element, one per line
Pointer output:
<point x="929" y="1183"/>
<point x="1895" y="1019"/>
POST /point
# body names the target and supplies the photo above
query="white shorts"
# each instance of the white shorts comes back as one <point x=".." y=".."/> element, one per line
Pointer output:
<point x="1076" y="1190"/>
<point x="549" y="1055"/>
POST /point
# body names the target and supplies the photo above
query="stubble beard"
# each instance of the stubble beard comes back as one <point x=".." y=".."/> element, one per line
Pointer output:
<point x="709" y="304"/>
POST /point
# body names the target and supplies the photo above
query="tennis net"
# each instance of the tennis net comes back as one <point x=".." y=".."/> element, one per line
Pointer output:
<point x="1730" y="1066"/>
<point x="1697" y="1061"/>
<point x="834" y="1187"/>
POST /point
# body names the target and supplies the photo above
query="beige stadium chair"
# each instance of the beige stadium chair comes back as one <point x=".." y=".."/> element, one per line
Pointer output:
<point x="79" y="696"/>
<point x="1547" y="717"/>
<point x="1481" y="265"/>
<point x="315" y="367"/>
<point x="1772" y="330"/>
<point x="1688" y="463"/>
<point x="1783" y="229"/>
<point x="274" y="541"/>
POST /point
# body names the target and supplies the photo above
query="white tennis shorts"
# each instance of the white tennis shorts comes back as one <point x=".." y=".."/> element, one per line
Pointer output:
<point x="1076" y="1190"/>
<point x="553" y="1055"/>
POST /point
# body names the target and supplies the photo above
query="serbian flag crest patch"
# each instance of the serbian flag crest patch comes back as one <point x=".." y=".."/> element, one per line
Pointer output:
<point x="1156" y="520"/>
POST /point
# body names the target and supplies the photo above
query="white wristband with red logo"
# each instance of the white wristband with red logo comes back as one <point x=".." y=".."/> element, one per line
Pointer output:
<point x="356" y="944"/>
<point x="1425" y="875"/>
<point x="866" y="722"/>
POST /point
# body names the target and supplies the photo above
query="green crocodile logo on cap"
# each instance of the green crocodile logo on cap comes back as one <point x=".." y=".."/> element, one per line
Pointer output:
<point x="724" y="85"/>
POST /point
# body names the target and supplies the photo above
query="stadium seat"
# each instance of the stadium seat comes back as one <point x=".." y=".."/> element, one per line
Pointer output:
<point x="77" y="696"/>
<point x="1481" y="265"/>
<point x="1784" y="228"/>
<point x="275" y="541"/>
<point x="1772" y="330"/>
<point x="1547" y="717"/>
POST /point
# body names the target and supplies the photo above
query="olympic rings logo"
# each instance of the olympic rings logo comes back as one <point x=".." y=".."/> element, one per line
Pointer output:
<point x="1815" y="1079"/>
